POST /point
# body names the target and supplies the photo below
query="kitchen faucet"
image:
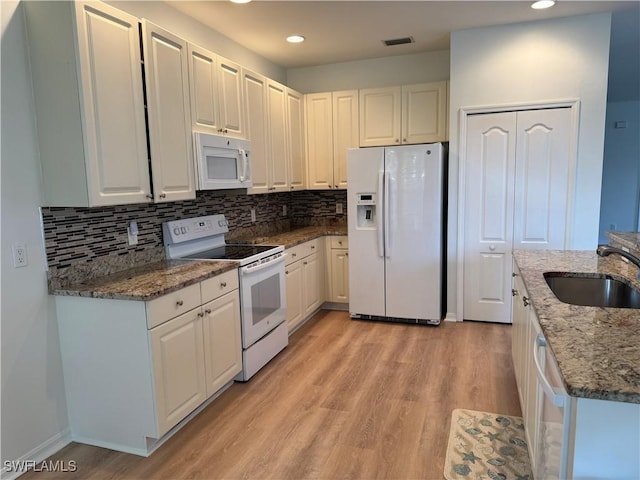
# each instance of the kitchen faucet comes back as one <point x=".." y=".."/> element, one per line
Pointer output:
<point x="604" y="250"/>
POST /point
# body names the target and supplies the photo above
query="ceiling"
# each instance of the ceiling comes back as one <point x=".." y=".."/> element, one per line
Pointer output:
<point x="340" y="31"/>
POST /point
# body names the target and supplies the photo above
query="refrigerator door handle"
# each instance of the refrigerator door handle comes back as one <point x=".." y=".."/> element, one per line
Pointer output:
<point x="379" y="229"/>
<point x="387" y="214"/>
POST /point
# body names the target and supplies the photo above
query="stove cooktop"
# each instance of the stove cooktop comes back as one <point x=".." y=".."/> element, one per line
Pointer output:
<point x="231" y="252"/>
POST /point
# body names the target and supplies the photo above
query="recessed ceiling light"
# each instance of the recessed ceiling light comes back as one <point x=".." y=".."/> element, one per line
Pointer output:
<point x="295" y="39"/>
<point x="240" y="1"/>
<point x="541" y="4"/>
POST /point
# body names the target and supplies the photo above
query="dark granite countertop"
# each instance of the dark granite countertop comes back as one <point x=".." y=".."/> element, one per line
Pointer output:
<point x="297" y="236"/>
<point x="597" y="349"/>
<point x="147" y="282"/>
<point x="158" y="278"/>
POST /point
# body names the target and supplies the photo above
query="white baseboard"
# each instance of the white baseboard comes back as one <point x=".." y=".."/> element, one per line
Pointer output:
<point x="451" y="317"/>
<point x="38" y="454"/>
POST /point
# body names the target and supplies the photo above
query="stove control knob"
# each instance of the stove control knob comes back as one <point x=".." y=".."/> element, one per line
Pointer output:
<point x="176" y="231"/>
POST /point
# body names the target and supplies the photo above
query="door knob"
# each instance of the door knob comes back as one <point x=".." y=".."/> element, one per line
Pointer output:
<point x="492" y="247"/>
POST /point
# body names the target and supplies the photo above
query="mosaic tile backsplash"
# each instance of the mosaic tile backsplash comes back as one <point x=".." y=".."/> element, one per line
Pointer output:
<point x="87" y="235"/>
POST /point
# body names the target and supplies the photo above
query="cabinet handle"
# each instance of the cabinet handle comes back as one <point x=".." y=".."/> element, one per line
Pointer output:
<point x="293" y="255"/>
<point x="208" y="311"/>
<point x="397" y="140"/>
<point x="150" y="197"/>
<point x="330" y="186"/>
<point x="286" y="272"/>
<point x="304" y="263"/>
<point x="225" y="131"/>
<point x="514" y="274"/>
<point x="223" y="284"/>
<point x="179" y="303"/>
<point x="162" y="195"/>
<point x="200" y="314"/>
<point x="346" y="254"/>
<point x="339" y="242"/>
<point x="404" y="140"/>
<point x="312" y="247"/>
<point x="525" y="301"/>
<point x="514" y="292"/>
<point x="336" y="186"/>
<point x="292" y="187"/>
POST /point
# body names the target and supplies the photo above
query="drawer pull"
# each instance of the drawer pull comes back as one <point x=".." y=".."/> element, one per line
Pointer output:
<point x="223" y="284"/>
<point x="293" y="255"/>
<point x="313" y="247"/>
<point x="208" y="311"/>
<point x="339" y="242"/>
<point x="514" y="292"/>
<point x="200" y="314"/>
<point x="179" y="303"/>
<point x="525" y="301"/>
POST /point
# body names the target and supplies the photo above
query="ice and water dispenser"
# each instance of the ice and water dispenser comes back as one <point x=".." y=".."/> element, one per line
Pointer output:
<point x="366" y="210"/>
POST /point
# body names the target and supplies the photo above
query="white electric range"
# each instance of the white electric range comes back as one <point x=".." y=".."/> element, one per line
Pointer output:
<point x="261" y="277"/>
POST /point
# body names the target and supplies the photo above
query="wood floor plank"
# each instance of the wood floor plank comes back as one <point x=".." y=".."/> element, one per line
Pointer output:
<point x="346" y="399"/>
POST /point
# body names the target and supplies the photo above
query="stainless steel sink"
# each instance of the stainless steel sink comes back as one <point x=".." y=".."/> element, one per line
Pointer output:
<point x="592" y="291"/>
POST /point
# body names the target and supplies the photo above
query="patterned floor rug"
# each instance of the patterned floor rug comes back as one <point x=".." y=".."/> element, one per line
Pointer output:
<point x="486" y="446"/>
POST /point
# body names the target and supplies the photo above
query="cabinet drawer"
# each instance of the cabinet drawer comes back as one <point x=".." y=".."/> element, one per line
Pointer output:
<point x="219" y="285"/>
<point x="171" y="305"/>
<point x="303" y="250"/>
<point x="339" y="241"/>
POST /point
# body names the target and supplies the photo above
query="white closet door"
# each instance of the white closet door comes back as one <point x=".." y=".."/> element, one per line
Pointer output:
<point x="542" y="179"/>
<point x="490" y="170"/>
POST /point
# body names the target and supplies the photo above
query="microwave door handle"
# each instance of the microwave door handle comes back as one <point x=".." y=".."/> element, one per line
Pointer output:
<point x="243" y="173"/>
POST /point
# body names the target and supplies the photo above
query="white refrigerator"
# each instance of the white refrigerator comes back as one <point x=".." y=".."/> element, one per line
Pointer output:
<point x="395" y="219"/>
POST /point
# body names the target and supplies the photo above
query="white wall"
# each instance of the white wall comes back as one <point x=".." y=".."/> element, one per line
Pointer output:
<point x="186" y="27"/>
<point x="621" y="174"/>
<point x="34" y="418"/>
<point x="529" y="62"/>
<point x="377" y="72"/>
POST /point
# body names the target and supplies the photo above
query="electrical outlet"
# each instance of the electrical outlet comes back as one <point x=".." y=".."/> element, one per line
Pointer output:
<point x="19" y="255"/>
<point x="339" y="208"/>
<point x="284" y="210"/>
<point x="253" y="215"/>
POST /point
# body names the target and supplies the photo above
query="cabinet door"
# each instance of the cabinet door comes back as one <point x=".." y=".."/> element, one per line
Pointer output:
<point x="490" y="169"/>
<point x="277" y="111"/>
<point x="112" y="100"/>
<point x="345" y="133"/>
<point x="312" y="280"/>
<point x="533" y="391"/>
<point x="222" y="341"/>
<point x="295" y="311"/>
<point x="230" y="98"/>
<point x="169" y="114"/>
<point x="380" y="116"/>
<point x="519" y="334"/>
<point x="255" y="96"/>
<point x="295" y="144"/>
<point x="424" y="112"/>
<point x="203" y="80"/>
<point x="177" y="352"/>
<point x="319" y="119"/>
<point x="340" y="276"/>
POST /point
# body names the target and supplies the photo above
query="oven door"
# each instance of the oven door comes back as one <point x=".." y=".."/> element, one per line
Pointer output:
<point x="263" y="300"/>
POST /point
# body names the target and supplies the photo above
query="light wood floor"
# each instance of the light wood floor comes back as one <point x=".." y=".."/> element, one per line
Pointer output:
<point x="345" y="399"/>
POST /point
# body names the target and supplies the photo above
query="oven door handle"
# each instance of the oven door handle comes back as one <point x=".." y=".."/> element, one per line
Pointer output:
<point x="249" y="269"/>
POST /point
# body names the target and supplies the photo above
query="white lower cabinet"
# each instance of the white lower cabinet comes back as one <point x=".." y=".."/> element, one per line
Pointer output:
<point x="305" y="281"/>
<point x="133" y="370"/>
<point x="338" y="269"/>
<point x="582" y="438"/>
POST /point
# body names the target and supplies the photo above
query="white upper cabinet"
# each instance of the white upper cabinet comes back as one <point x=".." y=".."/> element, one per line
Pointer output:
<point x="91" y="121"/>
<point x="169" y="114"/>
<point x="277" y="125"/>
<point x="230" y="97"/>
<point x="380" y="116"/>
<point x="403" y="115"/>
<point x="424" y="112"/>
<point x="203" y="83"/>
<point x="332" y="128"/>
<point x="295" y="130"/>
<point x="255" y="97"/>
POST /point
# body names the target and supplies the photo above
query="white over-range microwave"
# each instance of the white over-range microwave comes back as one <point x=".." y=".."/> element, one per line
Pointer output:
<point x="222" y="162"/>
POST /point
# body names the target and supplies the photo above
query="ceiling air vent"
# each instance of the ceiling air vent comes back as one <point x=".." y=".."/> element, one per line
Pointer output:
<point x="398" y="41"/>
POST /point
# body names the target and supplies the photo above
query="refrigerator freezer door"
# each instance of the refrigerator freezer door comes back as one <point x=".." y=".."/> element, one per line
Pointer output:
<point x="365" y="169"/>
<point x="414" y="237"/>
